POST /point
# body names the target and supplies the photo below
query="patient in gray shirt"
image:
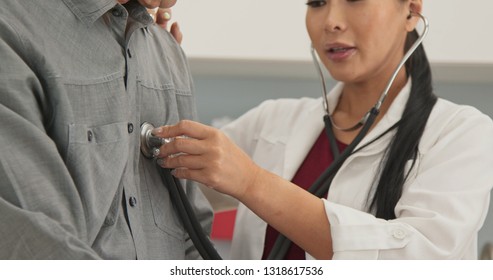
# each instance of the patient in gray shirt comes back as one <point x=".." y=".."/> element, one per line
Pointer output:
<point x="77" y="78"/>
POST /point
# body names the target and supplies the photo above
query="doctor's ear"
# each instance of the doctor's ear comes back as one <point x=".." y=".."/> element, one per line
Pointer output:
<point x="415" y="7"/>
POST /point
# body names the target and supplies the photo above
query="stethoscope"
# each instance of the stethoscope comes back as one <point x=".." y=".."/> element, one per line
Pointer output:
<point x="150" y="143"/>
<point x="321" y="186"/>
<point x="148" y="146"/>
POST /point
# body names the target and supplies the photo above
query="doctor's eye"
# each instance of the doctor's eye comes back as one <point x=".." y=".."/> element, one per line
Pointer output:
<point x="316" y="4"/>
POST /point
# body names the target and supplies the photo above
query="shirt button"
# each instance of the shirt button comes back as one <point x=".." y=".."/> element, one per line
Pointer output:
<point x="130" y="127"/>
<point x="399" y="234"/>
<point x="116" y="12"/>
<point x="89" y="136"/>
<point x="132" y="201"/>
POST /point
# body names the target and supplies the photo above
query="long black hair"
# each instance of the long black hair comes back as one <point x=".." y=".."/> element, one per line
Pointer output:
<point x="405" y="142"/>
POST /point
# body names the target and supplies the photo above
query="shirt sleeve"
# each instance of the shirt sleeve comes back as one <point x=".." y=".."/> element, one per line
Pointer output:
<point x="440" y="211"/>
<point x="42" y="215"/>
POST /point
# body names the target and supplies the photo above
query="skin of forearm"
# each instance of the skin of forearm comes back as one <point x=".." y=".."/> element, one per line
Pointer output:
<point x="297" y="214"/>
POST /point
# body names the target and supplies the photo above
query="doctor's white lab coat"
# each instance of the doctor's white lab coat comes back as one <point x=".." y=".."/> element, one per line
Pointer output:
<point x="444" y="201"/>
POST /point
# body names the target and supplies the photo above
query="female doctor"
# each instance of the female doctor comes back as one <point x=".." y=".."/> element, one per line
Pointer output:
<point x="416" y="186"/>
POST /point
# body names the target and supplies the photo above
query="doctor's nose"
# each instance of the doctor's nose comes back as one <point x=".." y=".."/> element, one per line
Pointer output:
<point x="334" y="21"/>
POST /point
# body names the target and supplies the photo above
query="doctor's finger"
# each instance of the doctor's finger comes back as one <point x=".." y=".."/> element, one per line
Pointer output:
<point x="201" y="176"/>
<point x="182" y="161"/>
<point x="182" y="145"/>
<point x="185" y="127"/>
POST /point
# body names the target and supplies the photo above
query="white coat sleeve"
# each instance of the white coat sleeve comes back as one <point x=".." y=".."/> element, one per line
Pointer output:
<point x="242" y="132"/>
<point x="440" y="211"/>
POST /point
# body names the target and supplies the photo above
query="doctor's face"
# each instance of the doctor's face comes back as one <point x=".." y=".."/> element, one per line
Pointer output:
<point x="357" y="40"/>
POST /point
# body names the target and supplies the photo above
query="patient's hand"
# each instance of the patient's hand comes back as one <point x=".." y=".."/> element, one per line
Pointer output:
<point x="151" y="4"/>
<point x="162" y="16"/>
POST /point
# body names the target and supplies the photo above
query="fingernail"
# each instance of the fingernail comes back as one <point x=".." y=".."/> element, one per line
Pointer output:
<point x="157" y="131"/>
<point x="173" y="172"/>
<point x="166" y="16"/>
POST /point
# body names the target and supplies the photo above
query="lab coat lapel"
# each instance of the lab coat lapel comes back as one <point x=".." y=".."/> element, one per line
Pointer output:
<point x="306" y="130"/>
<point x="308" y="126"/>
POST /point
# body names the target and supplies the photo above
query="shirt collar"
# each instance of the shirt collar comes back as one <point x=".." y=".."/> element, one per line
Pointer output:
<point x="89" y="11"/>
<point x="138" y="12"/>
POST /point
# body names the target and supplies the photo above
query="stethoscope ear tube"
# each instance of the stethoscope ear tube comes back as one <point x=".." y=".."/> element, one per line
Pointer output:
<point x="322" y="187"/>
<point x="187" y="216"/>
<point x="322" y="184"/>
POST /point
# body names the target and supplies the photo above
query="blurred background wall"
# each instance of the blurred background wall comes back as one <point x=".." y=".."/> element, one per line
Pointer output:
<point x="244" y="52"/>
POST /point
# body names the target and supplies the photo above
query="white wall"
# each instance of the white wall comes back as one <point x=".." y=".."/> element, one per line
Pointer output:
<point x="274" y="29"/>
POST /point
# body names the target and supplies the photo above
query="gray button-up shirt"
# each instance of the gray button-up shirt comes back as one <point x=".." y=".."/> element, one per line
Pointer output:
<point x="77" y="78"/>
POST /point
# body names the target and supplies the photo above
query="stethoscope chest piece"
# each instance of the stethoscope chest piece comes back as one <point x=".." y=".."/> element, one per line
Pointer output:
<point x="145" y="134"/>
<point x="149" y="142"/>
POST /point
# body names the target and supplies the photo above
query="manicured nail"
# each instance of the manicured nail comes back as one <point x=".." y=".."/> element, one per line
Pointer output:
<point x="166" y="16"/>
<point x="157" y="131"/>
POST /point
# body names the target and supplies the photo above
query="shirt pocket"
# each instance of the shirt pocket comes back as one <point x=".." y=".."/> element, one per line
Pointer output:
<point x="270" y="155"/>
<point x="163" y="211"/>
<point x="92" y="123"/>
<point x="95" y="101"/>
<point x="96" y="158"/>
<point x="164" y="104"/>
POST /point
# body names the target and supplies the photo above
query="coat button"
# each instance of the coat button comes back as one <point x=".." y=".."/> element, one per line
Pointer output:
<point x="132" y="201"/>
<point x="130" y="127"/>
<point x="89" y="136"/>
<point x="399" y="234"/>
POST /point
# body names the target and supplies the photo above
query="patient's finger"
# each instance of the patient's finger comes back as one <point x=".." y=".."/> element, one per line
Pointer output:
<point x="163" y="16"/>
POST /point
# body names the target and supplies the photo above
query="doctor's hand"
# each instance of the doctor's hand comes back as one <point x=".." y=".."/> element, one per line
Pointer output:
<point x="207" y="156"/>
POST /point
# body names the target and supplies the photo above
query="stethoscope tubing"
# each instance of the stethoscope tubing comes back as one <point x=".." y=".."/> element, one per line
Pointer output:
<point x="383" y="96"/>
<point x="188" y="217"/>
<point x="321" y="186"/>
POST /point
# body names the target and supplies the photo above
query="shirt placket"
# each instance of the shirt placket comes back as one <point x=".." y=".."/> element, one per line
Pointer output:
<point x="122" y="28"/>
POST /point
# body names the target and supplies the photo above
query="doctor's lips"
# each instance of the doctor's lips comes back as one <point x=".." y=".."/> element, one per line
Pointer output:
<point x="338" y="52"/>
